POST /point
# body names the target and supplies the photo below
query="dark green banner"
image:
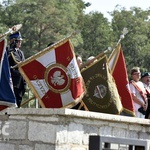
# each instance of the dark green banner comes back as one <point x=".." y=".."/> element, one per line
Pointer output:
<point x="102" y="94"/>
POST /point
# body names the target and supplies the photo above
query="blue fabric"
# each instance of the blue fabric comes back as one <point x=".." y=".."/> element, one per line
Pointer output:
<point x="16" y="35"/>
<point x="7" y="96"/>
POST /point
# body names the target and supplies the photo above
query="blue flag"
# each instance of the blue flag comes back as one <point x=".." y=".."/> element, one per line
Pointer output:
<point x="7" y="97"/>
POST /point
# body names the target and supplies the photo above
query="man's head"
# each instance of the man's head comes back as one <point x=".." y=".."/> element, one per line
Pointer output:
<point x="145" y="78"/>
<point x="79" y="60"/>
<point x="90" y="58"/>
<point x="15" y="40"/>
<point x="135" y="73"/>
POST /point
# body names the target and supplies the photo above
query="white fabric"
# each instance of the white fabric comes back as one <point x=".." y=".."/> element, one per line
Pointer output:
<point x="47" y="59"/>
<point x="73" y="69"/>
<point x="147" y="87"/>
<point x="43" y="87"/>
<point x="66" y="98"/>
<point x="136" y="92"/>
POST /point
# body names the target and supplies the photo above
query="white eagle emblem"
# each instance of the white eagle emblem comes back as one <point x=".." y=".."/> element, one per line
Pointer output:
<point x="57" y="78"/>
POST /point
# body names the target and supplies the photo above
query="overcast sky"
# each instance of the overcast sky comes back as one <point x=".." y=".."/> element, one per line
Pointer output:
<point x="104" y="6"/>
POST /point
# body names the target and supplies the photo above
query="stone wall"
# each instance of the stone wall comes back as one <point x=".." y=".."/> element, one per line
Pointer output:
<point x="64" y="129"/>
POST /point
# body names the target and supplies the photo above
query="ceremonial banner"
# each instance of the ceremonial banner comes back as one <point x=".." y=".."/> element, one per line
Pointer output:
<point x="54" y="76"/>
<point x="102" y="95"/>
<point x="118" y="68"/>
<point x="7" y="97"/>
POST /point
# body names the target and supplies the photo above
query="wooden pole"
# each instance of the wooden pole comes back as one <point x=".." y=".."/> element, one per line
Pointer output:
<point x="96" y="57"/>
<point x="27" y="101"/>
<point x="124" y="32"/>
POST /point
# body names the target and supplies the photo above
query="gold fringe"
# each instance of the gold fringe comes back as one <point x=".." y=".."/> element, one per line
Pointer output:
<point x="129" y="112"/>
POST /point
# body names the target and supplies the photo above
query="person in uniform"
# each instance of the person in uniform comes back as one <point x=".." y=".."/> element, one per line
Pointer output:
<point x="145" y="78"/>
<point x="15" y="56"/>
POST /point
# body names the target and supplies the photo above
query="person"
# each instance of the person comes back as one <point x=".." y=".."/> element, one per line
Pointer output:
<point x="15" y="56"/>
<point x="51" y="43"/>
<point x="79" y="61"/>
<point x="145" y="78"/>
<point x="138" y="93"/>
<point x="89" y="59"/>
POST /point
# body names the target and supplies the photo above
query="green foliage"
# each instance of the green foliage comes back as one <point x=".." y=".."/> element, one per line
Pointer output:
<point x="96" y="34"/>
<point x="46" y="21"/>
<point x="43" y="21"/>
<point x="28" y="95"/>
<point x="137" y="41"/>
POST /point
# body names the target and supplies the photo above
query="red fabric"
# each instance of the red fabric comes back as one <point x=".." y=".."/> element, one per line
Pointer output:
<point x="31" y="70"/>
<point x="77" y="87"/>
<point x="121" y="79"/>
<point x="2" y="107"/>
<point x="64" y="54"/>
<point x="52" y="100"/>
<point x="1" y="53"/>
<point x="1" y="49"/>
<point x="57" y="78"/>
<point x="140" y="91"/>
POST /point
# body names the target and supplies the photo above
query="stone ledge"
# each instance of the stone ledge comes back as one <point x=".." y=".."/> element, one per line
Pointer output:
<point x="75" y="113"/>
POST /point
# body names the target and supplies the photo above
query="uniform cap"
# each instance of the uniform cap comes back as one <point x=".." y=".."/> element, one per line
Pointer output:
<point x="16" y="36"/>
<point x="145" y="74"/>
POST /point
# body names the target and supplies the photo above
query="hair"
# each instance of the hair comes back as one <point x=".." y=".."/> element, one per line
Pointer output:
<point x="90" y="58"/>
<point x="78" y="56"/>
<point x="50" y="44"/>
<point x="134" y="69"/>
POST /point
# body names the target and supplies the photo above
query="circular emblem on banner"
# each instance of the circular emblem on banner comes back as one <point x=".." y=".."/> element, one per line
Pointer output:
<point x="100" y="91"/>
<point x="57" y="78"/>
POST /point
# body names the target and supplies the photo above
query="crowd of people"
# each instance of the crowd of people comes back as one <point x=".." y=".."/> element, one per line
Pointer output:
<point x="139" y="88"/>
<point x="139" y="84"/>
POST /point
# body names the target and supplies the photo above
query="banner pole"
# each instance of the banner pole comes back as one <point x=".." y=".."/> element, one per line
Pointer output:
<point x="124" y="32"/>
<point x="53" y="45"/>
<point x="96" y="57"/>
<point x="11" y="30"/>
<point x="27" y="101"/>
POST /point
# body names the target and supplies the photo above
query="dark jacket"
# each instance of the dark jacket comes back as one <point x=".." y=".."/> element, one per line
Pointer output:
<point x="14" y="57"/>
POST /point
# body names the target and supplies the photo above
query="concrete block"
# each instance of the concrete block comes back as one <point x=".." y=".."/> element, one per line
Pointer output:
<point x="44" y="132"/>
<point x="75" y="133"/>
<point x="40" y="146"/>
<point x="105" y="130"/>
<point x="118" y="132"/>
<point x="25" y="147"/>
<point x="17" y="129"/>
<point x="5" y="146"/>
<point x="61" y="134"/>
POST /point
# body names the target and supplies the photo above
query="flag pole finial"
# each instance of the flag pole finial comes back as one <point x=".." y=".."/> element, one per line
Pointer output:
<point x="124" y="32"/>
<point x="11" y="30"/>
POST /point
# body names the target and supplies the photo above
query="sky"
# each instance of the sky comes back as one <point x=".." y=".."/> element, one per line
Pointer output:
<point x="105" y="6"/>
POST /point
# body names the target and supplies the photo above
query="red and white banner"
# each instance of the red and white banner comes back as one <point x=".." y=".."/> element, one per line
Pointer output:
<point x="54" y="76"/>
<point x="118" y="68"/>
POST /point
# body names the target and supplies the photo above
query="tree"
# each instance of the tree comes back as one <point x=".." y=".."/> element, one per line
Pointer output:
<point x="96" y="34"/>
<point x="43" y="21"/>
<point x="137" y="41"/>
